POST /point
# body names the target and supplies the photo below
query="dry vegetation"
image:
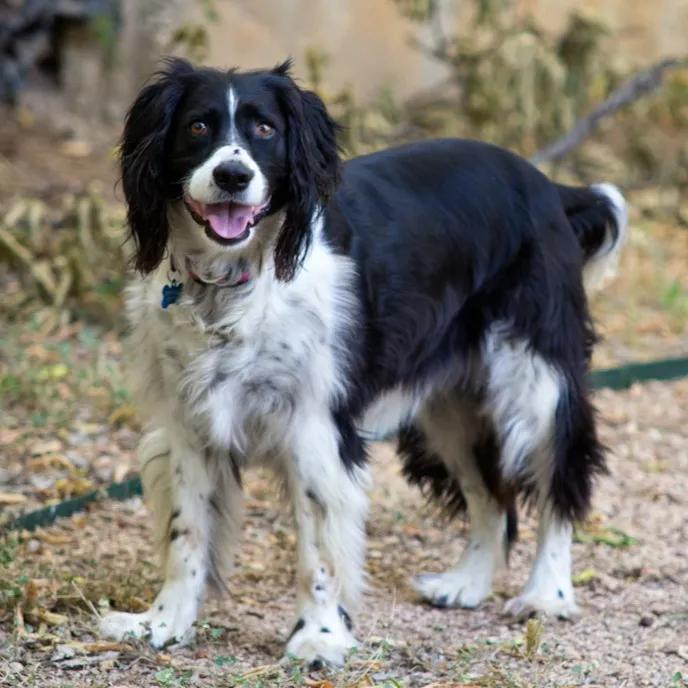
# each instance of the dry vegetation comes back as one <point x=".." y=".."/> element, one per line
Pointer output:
<point x="67" y="425"/>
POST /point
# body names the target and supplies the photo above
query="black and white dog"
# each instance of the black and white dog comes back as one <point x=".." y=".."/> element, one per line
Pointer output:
<point x="284" y="315"/>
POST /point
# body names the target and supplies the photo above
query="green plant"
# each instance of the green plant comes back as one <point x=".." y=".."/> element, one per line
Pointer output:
<point x="171" y="678"/>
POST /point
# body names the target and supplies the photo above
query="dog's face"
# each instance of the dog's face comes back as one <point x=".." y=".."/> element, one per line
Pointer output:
<point x="226" y="149"/>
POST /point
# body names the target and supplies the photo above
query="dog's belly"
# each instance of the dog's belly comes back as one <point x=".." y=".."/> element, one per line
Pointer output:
<point x="389" y="412"/>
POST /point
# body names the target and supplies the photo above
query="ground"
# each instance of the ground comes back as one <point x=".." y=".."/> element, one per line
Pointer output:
<point x="629" y="565"/>
<point x="67" y="425"/>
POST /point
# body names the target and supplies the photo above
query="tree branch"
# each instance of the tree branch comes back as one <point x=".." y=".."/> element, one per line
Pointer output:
<point x="633" y="89"/>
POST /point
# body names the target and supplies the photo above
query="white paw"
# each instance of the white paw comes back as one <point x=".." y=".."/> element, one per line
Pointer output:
<point x="555" y="601"/>
<point x="169" y="620"/>
<point x="322" y="636"/>
<point x="120" y="625"/>
<point x="460" y="587"/>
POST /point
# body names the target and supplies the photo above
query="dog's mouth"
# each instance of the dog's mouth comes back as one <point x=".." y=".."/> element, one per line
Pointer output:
<point x="228" y="222"/>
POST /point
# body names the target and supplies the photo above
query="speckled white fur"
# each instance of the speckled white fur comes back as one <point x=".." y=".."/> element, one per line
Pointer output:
<point x="248" y="373"/>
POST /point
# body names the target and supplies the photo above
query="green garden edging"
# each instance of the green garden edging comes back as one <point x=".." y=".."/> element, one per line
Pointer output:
<point x="48" y="515"/>
<point x="610" y="378"/>
<point x="624" y="376"/>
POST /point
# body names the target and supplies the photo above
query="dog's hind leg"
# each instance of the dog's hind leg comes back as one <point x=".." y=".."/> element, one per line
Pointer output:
<point x="330" y="505"/>
<point x="545" y="428"/>
<point x="562" y="494"/>
<point x="450" y="452"/>
<point x="549" y="589"/>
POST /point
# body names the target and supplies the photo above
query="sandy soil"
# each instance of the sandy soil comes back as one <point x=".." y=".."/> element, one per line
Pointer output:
<point x="630" y="564"/>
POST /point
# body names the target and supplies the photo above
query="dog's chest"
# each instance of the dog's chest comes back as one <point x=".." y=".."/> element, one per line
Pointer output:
<point x="245" y="380"/>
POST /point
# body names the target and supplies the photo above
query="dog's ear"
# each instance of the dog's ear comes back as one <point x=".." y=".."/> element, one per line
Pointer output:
<point x="313" y="169"/>
<point x="144" y="181"/>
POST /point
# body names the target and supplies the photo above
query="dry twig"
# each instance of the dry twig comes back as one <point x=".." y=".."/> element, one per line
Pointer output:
<point x="639" y="85"/>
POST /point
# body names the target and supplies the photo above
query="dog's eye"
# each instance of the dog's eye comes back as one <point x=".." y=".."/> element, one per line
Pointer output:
<point x="198" y="129"/>
<point x="264" y="130"/>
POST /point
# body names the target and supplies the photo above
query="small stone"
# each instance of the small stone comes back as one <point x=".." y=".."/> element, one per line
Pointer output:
<point x="16" y="667"/>
<point x="34" y="546"/>
<point x="646" y="621"/>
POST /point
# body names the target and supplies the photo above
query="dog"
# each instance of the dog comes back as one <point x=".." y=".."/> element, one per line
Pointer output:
<point x="290" y="307"/>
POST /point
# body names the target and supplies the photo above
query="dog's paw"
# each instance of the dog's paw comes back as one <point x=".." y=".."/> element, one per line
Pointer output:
<point x="557" y="602"/>
<point x="169" y="620"/>
<point x="120" y="625"/>
<point x="454" y="588"/>
<point x="322" y="637"/>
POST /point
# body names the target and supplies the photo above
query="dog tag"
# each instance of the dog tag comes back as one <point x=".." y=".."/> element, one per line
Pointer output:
<point x="171" y="294"/>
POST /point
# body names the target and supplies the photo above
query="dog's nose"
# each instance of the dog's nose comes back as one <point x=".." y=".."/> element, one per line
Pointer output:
<point x="232" y="176"/>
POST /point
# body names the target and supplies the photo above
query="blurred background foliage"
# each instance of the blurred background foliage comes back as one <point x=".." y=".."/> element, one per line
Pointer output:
<point x="517" y="85"/>
<point x="508" y="80"/>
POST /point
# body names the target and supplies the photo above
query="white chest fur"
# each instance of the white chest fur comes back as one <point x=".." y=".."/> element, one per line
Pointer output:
<point x="237" y="366"/>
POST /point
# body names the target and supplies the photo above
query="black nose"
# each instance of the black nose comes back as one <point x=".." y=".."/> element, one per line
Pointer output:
<point x="232" y="176"/>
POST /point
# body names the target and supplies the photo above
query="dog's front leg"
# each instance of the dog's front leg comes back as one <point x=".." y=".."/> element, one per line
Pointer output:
<point x="330" y="507"/>
<point x="178" y="487"/>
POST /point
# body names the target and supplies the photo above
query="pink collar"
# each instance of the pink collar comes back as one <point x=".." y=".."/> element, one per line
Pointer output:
<point x="245" y="277"/>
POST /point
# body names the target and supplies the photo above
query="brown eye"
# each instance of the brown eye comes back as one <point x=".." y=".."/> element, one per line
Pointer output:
<point x="198" y="129"/>
<point x="264" y="130"/>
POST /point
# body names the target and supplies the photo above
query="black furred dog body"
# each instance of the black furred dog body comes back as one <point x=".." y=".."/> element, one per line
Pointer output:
<point x="437" y="290"/>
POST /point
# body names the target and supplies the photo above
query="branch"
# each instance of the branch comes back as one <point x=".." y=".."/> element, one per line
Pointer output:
<point x="436" y="26"/>
<point x="633" y="89"/>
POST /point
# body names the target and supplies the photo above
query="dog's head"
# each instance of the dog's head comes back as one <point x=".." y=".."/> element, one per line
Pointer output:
<point x="221" y="152"/>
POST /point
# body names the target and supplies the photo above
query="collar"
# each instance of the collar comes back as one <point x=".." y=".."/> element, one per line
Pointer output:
<point x="245" y="277"/>
<point x="172" y="291"/>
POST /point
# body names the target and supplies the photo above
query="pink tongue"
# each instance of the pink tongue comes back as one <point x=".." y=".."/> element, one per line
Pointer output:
<point x="229" y="220"/>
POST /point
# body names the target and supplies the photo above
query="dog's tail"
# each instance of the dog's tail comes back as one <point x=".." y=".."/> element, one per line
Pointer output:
<point x="599" y="218"/>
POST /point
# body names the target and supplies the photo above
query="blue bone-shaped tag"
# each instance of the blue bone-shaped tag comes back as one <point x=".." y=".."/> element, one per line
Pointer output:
<point x="171" y="294"/>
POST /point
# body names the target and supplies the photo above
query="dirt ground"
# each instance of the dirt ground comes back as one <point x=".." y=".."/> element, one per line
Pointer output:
<point x="67" y="425"/>
<point x="630" y="566"/>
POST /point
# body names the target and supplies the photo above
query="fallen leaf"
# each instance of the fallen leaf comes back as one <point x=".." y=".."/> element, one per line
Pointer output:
<point x="49" y="460"/>
<point x="87" y="428"/>
<point x="74" y="486"/>
<point x="8" y="437"/>
<point x="52" y="618"/>
<point x="534" y="630"/>
<point x="53" y="538"/>
<point x="19" y="627"/>
<point x="122" y="414"/>
<point x="11" y="498"/>
<point x="53" y="372"/>
<point x="584" y="577"/>
<point x="85" y="660"/>
<point x="47" y="447"/>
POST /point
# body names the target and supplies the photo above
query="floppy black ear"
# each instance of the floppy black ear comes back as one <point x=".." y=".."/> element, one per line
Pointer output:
<point x="146" y="187"/>
<point x="313" y="160"/>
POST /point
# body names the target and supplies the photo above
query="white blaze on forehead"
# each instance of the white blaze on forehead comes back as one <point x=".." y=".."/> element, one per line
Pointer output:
<point x="232" y="103"/>
<point x="201" y="186"/>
